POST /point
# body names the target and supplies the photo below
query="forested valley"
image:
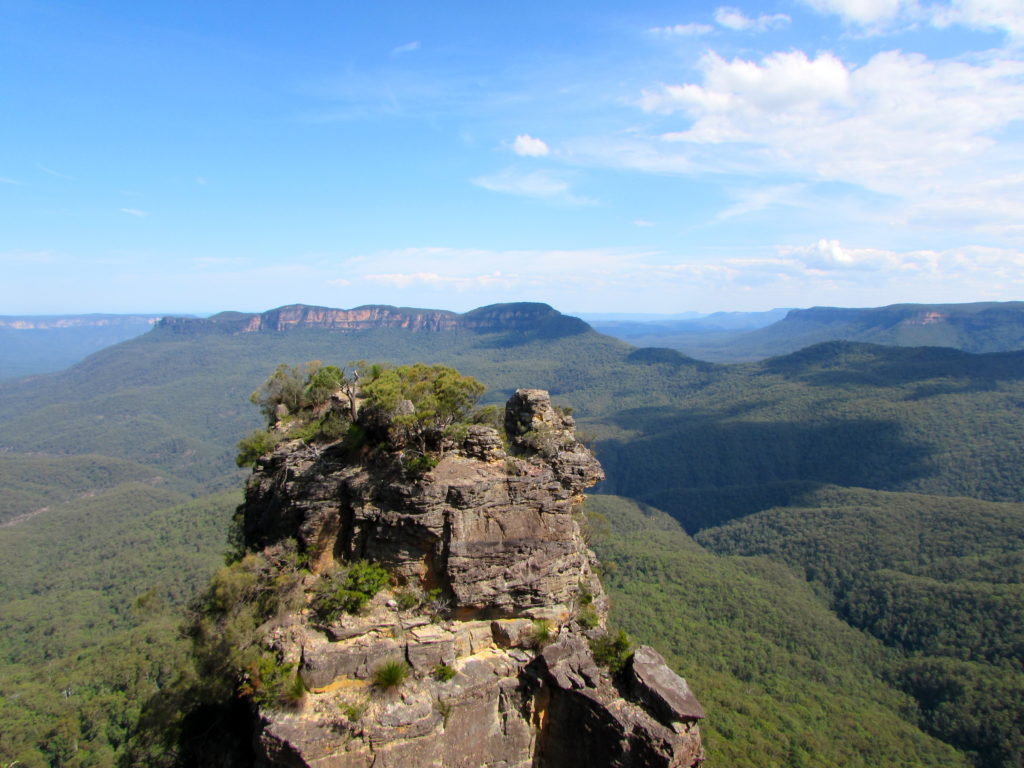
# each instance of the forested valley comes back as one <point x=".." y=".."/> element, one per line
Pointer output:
<point x="826" y="544"/>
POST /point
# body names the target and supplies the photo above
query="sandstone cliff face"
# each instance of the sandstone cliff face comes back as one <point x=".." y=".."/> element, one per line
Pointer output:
<point x="494" y="530"/>
<point x="533" y="317"/>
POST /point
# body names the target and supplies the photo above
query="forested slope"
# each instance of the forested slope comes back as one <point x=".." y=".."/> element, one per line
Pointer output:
<point x="789" y="684"/>
<point x="940" y="579"/>
<point x="136" y="429"/>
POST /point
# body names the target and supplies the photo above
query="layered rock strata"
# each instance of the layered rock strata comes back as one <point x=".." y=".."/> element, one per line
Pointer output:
<point x="500" y="669"/>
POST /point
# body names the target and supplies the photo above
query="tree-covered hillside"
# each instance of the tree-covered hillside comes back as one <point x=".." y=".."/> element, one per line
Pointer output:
<point x="939" y="579"/>
<point x="786" y="683"/>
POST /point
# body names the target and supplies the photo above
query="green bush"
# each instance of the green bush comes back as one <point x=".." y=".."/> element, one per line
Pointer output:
<point x="252" y="446"/>
<point x="349" y="590"/>
<point x="322" y="384"/>
<point x="443" y="673"/>
<point x="612" y="650"/>
<point x="285" y="386"/>
<point x="333" y="426"/>
<point x="355" y="437"/>
<point x="421" y="464"/>
<point x="390" y="674"/>
<point x="354" y="710"/>
<point x="270" y="683"/>
<point x="587" y="617"/>
<point x="440" y="397"/>
<point x="408" y="599"/>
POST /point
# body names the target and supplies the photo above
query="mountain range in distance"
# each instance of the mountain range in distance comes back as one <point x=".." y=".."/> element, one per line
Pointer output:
<point x="41" y="344"/>
<point x="732" y="337"/>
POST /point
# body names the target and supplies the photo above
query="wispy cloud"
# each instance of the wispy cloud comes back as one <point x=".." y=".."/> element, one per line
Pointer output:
<point x="825" y="269"/>
<point x="466" y="268"/>
<point x="540" y="184"/>
<point x="4" y="180"/>
<point x="734" y="19"/>
<point x="760" y="198"/>
<point x="135" y="212"/>
<point x="528" y="146"/>
<point x="879" y="16"/>
<point x="405" y="48"/>
<point x="643" y="223"/>
<point x="52" y="172"/>
<point x="691" y="29"/>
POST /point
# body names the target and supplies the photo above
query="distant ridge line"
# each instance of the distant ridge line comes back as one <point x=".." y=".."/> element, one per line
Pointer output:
<point x="521" y="316"/>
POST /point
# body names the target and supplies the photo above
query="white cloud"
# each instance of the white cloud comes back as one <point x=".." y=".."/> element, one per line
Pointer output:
<point x="957" y="267"/>
<point x="924" y="131"/>
<point x="827" y="255"/>
<point x="539" y="184"/>
<point x="783" y="82"/>
<point x="528" y="146"/>
<point x="734" y="19"/>
<point x="406" y="48"/>
<point x="1007" y="15"/>
<point x="683" y="30"/>
<point x="828" y="272"/>
<point x="200" y="180"/>
<point x="643" y="223"/>
<point x="9" y="181"/>
<point x="135" y="212"/>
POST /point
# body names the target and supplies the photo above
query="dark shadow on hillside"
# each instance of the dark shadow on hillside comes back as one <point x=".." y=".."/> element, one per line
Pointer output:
<point x="546" y="330"/>
<point x="849" y="364"/>
<point x="705" y="469"/>
<point x="662" y="355"/>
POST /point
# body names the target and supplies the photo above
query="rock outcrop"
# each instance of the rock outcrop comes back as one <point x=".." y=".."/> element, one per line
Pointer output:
<point x="496" y="645"/>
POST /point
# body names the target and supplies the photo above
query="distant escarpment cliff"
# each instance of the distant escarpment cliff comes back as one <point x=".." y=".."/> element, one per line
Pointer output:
<point x="493" y="318"/>
<point x="448" y="610"/>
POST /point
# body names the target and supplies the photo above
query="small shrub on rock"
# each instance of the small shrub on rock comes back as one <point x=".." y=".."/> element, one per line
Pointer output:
<point x="349" y="590"/>
<point x="540" y="635"/>
<point x="421" y="464"/>
<point x="443" y="673"/>
<point x="390" y="674"/>
<point x="408" y="599"/>
<point x="354" y="710"/>
<point x="268" y="682"/>
<point x="587" y="617"/>
<point x="612" y="650"/>
<point x="252" y="446"/>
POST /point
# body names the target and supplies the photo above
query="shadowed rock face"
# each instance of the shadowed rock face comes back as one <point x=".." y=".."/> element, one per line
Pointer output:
<point x="495" y="526"/>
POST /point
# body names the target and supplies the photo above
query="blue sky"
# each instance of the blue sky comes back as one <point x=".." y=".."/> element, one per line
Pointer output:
<point x="601" y="157"/>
